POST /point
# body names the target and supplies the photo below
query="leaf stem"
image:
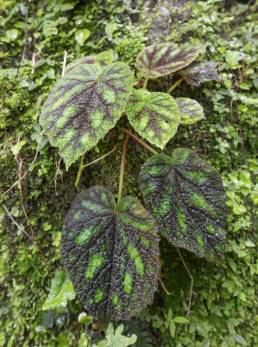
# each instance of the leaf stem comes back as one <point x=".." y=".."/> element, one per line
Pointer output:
<point x="175" y="85"/>
<point x="82" y="166"/>
<point x="141" y="142"/>
<point x="122" y="169"/>
<point x="79" y="173"/>
<point x="163" y="286"/>
<point x="64" y="63"/>
<point x="192" y="281"/>
<point x="145" y="83"/>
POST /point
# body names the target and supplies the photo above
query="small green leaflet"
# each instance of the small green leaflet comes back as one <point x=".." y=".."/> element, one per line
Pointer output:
<point x="115" y="338"/>
<point x="198" y="73"/>
<point x="82" y="35"/>
<point x="190" y="110"/>
<point x="111" y="253"/>
<point x="163" y="59"/>
<point x="186" y="197"/>
<point x="84" y="105"/>
<point x="155" y="116"/>
<point x="60" y="292"/>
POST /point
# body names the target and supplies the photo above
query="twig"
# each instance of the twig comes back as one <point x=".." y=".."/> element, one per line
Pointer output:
<point x="64" y="63"/>
<point x="25" y="173"/>
<point x="102" y="157"/>
<point x="145" y="83"/>
<point x="175" y="85"/>
<point x="192" y="281"/>
<point x="25" y="36"/>
<point x="16" y="224"/>
<point x="33" y="63"/>
<point x="56" y="174"/>
<point x="163" y="286"/>
<point x="141" y="142"/>
<point x="122" y="169"/>
<point x="20" y="176"/>
<point x="82" y="166"/>
<point x="79" y="173"/>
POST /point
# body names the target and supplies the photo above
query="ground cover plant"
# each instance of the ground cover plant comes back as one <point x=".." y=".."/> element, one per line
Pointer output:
<point x="38" y="304"/>
<point x="117" y="241"/>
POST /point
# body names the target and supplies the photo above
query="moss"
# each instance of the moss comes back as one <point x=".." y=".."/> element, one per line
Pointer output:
<point x="223" y="292"/>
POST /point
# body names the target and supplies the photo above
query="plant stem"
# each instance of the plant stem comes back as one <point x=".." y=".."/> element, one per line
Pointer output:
<point x="64" y="63"/>
<point x="192" y="281"/>
<point x="100" y="158"/>
<point x="141" y="142"/>
<point x="176" y="84"/>
<point x="164" y="287"/>
<point x="145" y="83"/>
<point x="82" y="167"/>
<point x="79" y="173"/>
<point x="122" y="169"/>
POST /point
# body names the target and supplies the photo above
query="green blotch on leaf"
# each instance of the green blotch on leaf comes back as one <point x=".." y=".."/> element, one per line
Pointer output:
<point x="197" y="176"/>
<point x="109" y="96"/>
<point x="97" y="118"/>
<point x="99" y="295"/>
<point x="77" y="215"/>
<point x="198" y="201"/>
<point x="115" y="300"/>
<point x="135" y="256"/>
<point x="85" y="235"/>
<point x="182" y="221"/>
<point x="145" y="242"/>
<point x="95" y="262"/>
<point x="200" y="241"/>
<point x="128" y="283"/>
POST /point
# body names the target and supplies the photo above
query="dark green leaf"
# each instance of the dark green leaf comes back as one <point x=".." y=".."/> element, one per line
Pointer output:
<point x="84" y="105"/>
<point x="163" y="59"/>
<point x="186" y="197"/>
<point x="111" y="254"/>
<point x="198" y="73"/>
<point x="155" y="116"/>
<point x="190" y="110"/>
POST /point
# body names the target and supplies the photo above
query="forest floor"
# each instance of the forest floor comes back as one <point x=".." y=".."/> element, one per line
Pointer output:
<point x="36" y="190"/>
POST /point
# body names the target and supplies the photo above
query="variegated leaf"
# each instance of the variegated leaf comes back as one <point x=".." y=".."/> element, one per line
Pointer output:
<point x="163" y="59"/>
<point x="185" y="195"/>
<point x="111" y="253"/>
<point x="198" y="73"/>
<point x="103" y="59"/>
<point x="84" y="105"/>
<point x="190" y="110"/>
<point x="155" y="116"/>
